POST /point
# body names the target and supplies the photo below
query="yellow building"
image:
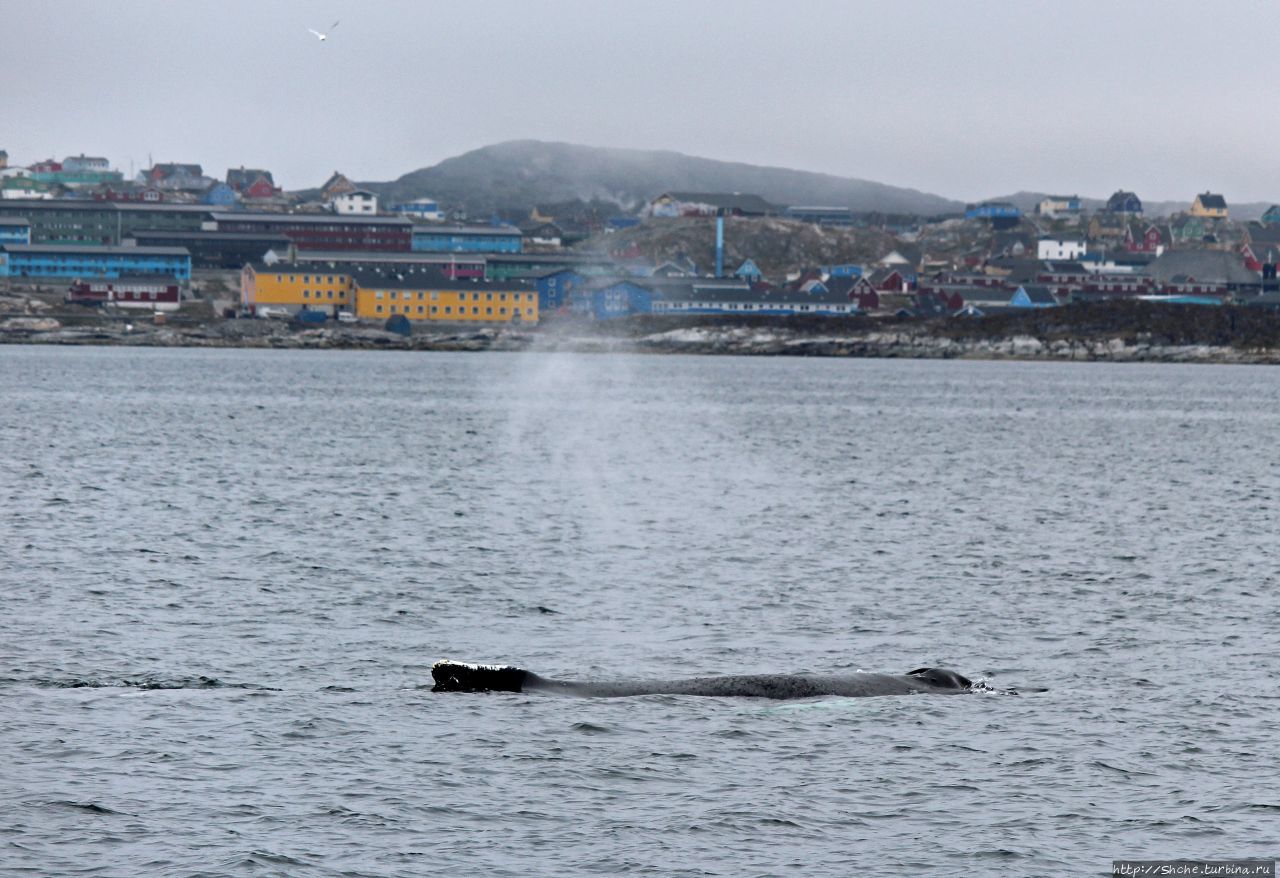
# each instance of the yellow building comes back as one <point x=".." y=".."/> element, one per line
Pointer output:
<point x="295" y="287"/>
<point x="434" y="297"/>
<point x="1209" y="205"/>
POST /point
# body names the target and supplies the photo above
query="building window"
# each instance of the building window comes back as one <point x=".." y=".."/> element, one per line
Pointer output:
<point x="422" y="309"/>
<point x="475" y="310"/>
<point x="378" y="294"/>
<point x="435" y="309"/>
<point x="448" y="309"/>
<point x="488" y="312"/>
<point x="379" y="309"/>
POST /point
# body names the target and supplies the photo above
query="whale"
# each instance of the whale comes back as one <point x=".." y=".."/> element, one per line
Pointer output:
<point x="453" y="676"/>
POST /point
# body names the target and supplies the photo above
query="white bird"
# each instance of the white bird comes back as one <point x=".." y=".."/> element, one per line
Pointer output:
<point x="322" y="37"/>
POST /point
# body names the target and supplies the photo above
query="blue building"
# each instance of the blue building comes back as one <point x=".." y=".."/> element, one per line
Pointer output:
<point x="1272" y="215"/>
<point x="555" y="289"/>
<point x="604" y="299"/>
<point x="846" y="270"/>
<point x="749" y="271"/>
<point x="76" y="261"/>
<point x="221" y="195"/>
<point x="1124" y="202"/>
<point x="420" y="208"/>
<point x="992" y="210"/>
<point x="14" y="230"/>
<point x="466" y="239"/>
<point x="1033" y="296"/>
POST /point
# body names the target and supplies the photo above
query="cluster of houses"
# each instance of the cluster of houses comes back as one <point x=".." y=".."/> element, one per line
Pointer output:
<point x="78" y="225"/>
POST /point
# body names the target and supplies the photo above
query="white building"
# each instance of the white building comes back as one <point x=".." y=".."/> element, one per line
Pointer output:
<point x="1059" y="249"/>
<point x="421" y="208"/>
<point x="359" y="201"/>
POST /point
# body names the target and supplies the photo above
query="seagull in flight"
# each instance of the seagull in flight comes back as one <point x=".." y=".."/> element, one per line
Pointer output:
<point x="322" y="37"/>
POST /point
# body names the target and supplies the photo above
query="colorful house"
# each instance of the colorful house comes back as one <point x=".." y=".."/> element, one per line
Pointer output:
<point x="1272" y="215"/>
<point x="295" y="287"/>
<point x="243" y="179"/>
<point x="80" y="261"/>
<point x="556" y="289"/>
<point x="434" y="297"/>
<point x="1210" y="206"/>
<point x="1143" y="240"/>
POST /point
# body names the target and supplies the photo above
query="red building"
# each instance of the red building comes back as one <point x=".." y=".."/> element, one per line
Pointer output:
<point x="1149" y="241"/>
<point x="126" y="292"/>
<point x="318" y="231"/>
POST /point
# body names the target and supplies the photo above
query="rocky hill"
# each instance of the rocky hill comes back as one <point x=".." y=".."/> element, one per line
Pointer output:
<point x="776" y="245"/>
<point x="523" y="173"/>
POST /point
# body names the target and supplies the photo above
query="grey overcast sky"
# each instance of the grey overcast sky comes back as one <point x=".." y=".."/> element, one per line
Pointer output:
<point x="964" y="99"/>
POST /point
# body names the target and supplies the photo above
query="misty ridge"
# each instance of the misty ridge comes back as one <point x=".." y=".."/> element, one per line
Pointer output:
<point x="519" y="173"/>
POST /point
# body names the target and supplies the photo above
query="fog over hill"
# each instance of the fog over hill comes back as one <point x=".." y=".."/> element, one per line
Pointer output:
<point x="519" y="173"/>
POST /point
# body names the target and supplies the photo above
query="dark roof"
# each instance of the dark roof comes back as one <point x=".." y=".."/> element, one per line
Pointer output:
<point x="1039" y="294"/>
<point x="1263" y="235"/>
<point x="724" y="200"/>
<point x="433" y="229"/>
<point x="432" y="279"/>
<point x="1210" y="201"/>
<point x="308" y="218"/>
<point x="176" y="235"/>
<point x="243" y="178"/>
<point x="723" y="291"/>
<point x="392" y="257"/>
<point x="95" y="249"/>
<point x="1206" y="266"/>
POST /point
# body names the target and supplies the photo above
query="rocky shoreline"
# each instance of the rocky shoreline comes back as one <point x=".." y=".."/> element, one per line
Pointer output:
<point x="900" y="340"/>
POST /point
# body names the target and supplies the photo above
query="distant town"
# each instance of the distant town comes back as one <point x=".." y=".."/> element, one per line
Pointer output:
<point x="76" y="236"/>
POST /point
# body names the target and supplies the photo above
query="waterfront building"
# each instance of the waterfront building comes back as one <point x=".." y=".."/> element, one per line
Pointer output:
<point x="324" y="231"/>
<point x="15" y="230"/>
<point x="454" y="266"/>
<point x="148" y="293"/>
<point x="506" y="266"/>
<point x="467" y="239"/>
<point x="86" y="261"/>
<point x="295" y="287"/>
<point x="63" y="221"/>
<point x="213" y="249"/>
<point x="434" y="297"/>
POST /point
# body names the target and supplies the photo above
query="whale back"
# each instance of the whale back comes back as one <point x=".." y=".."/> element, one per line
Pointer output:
<point x="941" y="678"/>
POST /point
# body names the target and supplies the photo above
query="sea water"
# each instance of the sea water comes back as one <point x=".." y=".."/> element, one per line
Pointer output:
<point x="227" y="574"/>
